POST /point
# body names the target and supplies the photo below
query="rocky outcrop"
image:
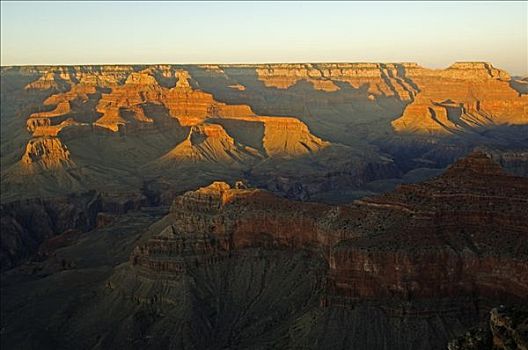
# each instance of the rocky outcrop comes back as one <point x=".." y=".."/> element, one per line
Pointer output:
<point x="506" y="329"/>
<point x="459" y="235"/>
<point x="208" y="143"/>
<point x="45" y="153"/>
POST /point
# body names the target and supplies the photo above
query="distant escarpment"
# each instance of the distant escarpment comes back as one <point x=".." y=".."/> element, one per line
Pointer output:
<point x="461" y="98"/>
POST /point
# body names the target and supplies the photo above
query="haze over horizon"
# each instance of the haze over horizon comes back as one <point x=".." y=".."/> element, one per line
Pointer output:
<point x="433" y="34"/>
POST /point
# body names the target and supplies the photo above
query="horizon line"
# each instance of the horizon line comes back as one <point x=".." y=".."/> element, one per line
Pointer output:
<point x="250" y="64"/>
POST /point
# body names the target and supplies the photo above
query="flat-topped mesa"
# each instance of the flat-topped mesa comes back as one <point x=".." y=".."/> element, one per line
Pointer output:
<point x="465" y="96"/>
<point x="475" y="71"/>
<point x="289" y="137"/>
<point x="381" y="79"/>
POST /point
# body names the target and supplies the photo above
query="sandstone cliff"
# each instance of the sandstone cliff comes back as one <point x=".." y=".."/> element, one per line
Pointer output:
<point x="462" y="97"/>
<point x="381" y="79"/>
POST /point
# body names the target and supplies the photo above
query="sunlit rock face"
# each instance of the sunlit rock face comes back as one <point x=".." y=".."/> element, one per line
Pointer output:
<point x="462" y="97"/>
<point x="305" y="131"/>
<point x="95" y="107"/>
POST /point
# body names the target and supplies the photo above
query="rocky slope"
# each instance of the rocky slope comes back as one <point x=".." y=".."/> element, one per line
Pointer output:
<point x="238" y="267"/>
<point x="471" y="219"/>
<point x="105" y="104"/>
<point x="345" y="124"/>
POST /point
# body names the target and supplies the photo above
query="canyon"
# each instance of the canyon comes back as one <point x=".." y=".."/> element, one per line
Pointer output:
<point x="306" y="131"/>
<point x="240" y="267"/>
<point x="299" y="205"/>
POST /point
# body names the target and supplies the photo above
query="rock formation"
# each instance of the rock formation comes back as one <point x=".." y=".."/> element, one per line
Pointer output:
<point x="236" y="267"/>
<point x="45" y="153"/>
<point x="461" y="234"/>
<point x="462" y="97"/>
<point x="241" y="265"/>
<point x="506" y="329"/>
<point x="346" y="124"/>
<point x="208" y="143"/>
<point x="381" y="79"/>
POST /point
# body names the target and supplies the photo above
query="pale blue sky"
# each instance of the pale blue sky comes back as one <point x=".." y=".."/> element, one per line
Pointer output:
<point x="434" y="34"/>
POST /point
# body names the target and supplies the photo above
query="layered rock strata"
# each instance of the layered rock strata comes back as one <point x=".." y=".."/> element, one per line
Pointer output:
<point x="463" y="97"/>
<point x="360" y="112"/>
<point x="124" y="106"/>
<point x="459" y="235"/>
